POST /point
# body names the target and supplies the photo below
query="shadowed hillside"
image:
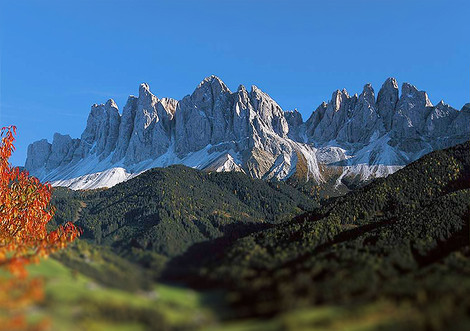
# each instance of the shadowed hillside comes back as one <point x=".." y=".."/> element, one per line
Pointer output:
<point x="402" y="239"/>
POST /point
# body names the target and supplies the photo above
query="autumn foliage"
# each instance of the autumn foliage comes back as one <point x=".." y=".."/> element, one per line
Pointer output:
<point x="25" y="211"/>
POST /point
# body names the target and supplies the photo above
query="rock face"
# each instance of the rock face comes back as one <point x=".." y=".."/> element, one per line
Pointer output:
<point x="151" y="132"/>
<point x="38" y="154"/>
<point x="220" y="130"/>
<point x="295" y="123"/>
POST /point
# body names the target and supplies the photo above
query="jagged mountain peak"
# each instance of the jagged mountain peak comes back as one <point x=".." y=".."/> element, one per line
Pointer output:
<point x="145" y="95"/>
<point x="99" y="111"/>
<point x="407" y="88"/>
<point x="255" y="89"/>
<point x="144" y="88"/>
<point x="241" y="88"/>
<point x="215" y="82"/>
<point x="388" y="93"/>
<point x="368" y="88"/>
<point x="409" y="91"/>
<point x="338" y="99"/>
<point x="390" y="83"/>
<point x="368" y="93"/>
<point x="248" y="131"/>
<point x="58" y="136"/>
<point x="111" y="104"/>
<point x="170" y="105"/>
<point x="103" y="107"/>
<point x="293" y="111"/>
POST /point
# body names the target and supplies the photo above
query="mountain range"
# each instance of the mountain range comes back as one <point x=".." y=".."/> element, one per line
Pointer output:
<point x="350" y="137"/>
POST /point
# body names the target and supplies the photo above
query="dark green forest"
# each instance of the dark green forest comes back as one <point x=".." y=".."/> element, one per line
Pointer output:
<point x="403" y="238"/>
<point x="162" y="212"/>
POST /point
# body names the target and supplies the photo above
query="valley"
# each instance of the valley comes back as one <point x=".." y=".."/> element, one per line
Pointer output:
<point x="266" y="249"/>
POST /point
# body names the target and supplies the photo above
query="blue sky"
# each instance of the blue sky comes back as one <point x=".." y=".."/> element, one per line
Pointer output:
<point x="57" y="58"/>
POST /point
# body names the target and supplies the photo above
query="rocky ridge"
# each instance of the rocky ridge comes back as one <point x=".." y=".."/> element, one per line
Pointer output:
<point x="360" y="136"/>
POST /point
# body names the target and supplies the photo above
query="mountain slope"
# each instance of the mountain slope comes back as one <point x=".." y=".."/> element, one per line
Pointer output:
<point x="404" y="238"/>
<point x="166" y="210"/>
<point x="352" y="138"/>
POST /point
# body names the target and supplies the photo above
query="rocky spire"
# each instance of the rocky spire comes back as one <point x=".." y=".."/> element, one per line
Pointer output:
<point x="269" y="111"/>
<point x="333" y="117"/>
<point x="204" y="117"/>
<point x="126" y="128"/>
<point x="101" y="132"/>
<point x="38" y="154"/>
<point x="411" y="111"/>
<point x="363" y="120"/>
<point x="387" y="100"/>
<point x="313" y="121"/>
<point x="150" y="136"/>
<point x="60" y="151"/>
<point x="440" y="119"/>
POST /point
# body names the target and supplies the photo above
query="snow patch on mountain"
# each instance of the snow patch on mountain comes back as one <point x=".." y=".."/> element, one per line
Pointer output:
<point x="103" y="179"/>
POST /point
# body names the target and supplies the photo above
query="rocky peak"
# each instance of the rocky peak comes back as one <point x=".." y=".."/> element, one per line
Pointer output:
<point x="269" y="111"/>
<point x="387" y="100"/>
<point x="214" y="83"/>
<point x="126" y="128"/>
<point x="293" y="116"/>
<point x="439" y="119"/>
<point x="388" y="93"/>
<point x="210" y="91"/>
<point x="295" y="121"/>
<point x="314" y="120"/>
<point x="97" y="110"/>
<point x="204" y="117"/>
<point x="368" y="94"/>
<point x="419" y="98"/>
<point x="61" y="151"/>
<point x="409" y="119"/>
<point x="241" y="88"/>
<point x="170" y="106"/>
<point x="390" y="84"/>
<point x="363" y="120"/>
<point x="441" y="105"/>
<point x="146" y="114"/>
<point x="336" y="99"/>
<point x="38" y="153"/>
<point x="151" y="123"/>
<point x="242" y="96"/>
<point x="102" y="130"/>
<point x="144" y="89"/>
<point x="341" y="101"/>
<point x="110" y="104"/>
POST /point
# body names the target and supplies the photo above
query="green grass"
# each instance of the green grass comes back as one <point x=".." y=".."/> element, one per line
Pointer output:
<point x="75" y="302"/>
<point x="377" y="316"/>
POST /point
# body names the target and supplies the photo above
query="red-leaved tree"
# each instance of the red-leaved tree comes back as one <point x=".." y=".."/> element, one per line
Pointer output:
<point x="25" y="211"/>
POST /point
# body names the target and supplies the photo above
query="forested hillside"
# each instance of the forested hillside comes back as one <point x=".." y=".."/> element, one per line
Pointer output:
<point x="164" y="211"/>
<point x="403" y="239"/>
